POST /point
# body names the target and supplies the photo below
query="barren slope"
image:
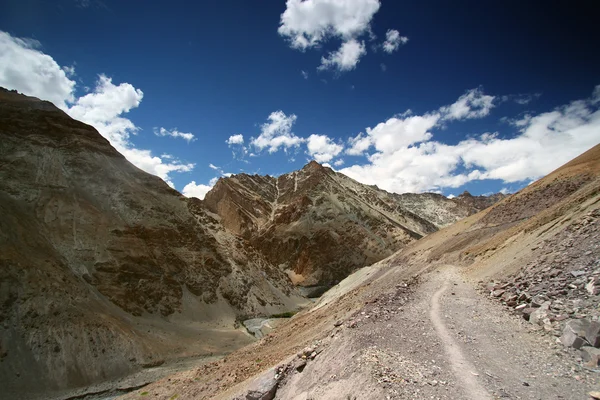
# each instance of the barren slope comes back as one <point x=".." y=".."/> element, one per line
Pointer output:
<point x="413" y="325"/>
<point x="320" y="225"/>
<point x="104" y="268"/>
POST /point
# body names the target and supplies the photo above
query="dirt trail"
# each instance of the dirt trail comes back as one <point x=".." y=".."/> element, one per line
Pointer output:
<point x="434" y="337"/>
<point x="463" y="370"/>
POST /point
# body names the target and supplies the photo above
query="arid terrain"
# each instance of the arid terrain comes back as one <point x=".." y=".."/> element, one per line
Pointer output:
<point x="110" y="279"/>
<point x="432" y="320"/>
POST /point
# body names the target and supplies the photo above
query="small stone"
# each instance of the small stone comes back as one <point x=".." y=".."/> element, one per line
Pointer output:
<point x="595" y="395"/>
<point x="577" y="273"/>
<point x="591" y="286"/>
<point x="527" y="312"/>
<point x="537" y="317"/>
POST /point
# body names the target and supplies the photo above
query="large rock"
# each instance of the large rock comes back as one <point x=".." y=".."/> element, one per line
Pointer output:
<point x="591" y="356"/>
<point x="592" y="334"/>
<point x="574" y="333"/>
<point x="264" y="387"/>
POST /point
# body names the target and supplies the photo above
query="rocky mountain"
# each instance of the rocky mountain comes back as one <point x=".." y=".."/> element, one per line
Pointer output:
<point x="105" y="270"/>
<point x="103" y="267"/>
<point x="319" y="225"/>
<point x="502" y="304"/>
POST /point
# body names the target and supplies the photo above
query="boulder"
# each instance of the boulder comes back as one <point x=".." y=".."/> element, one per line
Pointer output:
<point x="574" y="333"/>
<point x="592" y="334"/>
<point x="263" y="388"/>
<point x="591" y="356"/>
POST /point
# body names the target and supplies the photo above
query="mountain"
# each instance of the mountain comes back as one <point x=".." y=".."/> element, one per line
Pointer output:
<point x="104" y="268"/>
<point x="472" y="311"/>
<point x="319" y="225"/>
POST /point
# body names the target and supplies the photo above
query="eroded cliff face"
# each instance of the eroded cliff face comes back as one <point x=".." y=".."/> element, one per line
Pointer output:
<point x="93" y="251"/>
<point x="319" y="225"/>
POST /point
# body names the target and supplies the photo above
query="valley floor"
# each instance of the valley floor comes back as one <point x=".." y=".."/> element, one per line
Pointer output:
<point x="429" y="337"/>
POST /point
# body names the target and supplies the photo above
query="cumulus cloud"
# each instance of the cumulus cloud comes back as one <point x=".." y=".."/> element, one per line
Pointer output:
<point x="308" y="23"/>
<point x="188" y="137"/>
<point x="24" y="67"/>
<point x="395" y="133"/>
<point x="418" y="163"/>
<point x="235" y="139"/>
<point x="277" y="133"/>
<point x="393" y="40"/>
<point x="473" y="104"/>
<point x="322" y="148"/>
<point x="193" y="189"/>
<point x="345" y="58"/>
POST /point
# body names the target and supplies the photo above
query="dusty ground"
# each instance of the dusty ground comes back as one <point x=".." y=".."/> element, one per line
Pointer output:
<point x="436" y="338"/>
<point x="413" y="325"/>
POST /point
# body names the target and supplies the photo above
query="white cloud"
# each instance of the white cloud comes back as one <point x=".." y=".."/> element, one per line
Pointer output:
<point x="394" y="133"/>
<point x="188" y="137"/>
<point x="345" y="58"/>
<point x="304" y="74"/>
<point x="393" y="40"/>
<point x="322" y="148"/>
<point x="277" y="133"/>
<point x="473" y="104"/>
<point x="339" y="162"/>
<point x="197" y="190"/>
<point x="542" y="143"/>
<point x="309" y="23"/>
<point x="212" y="166"/>
<point x="235" y="139"/>
<point x="25" y="68"/>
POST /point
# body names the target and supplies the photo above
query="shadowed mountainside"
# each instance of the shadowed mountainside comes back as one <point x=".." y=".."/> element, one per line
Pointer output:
<point x="103" y="267"/>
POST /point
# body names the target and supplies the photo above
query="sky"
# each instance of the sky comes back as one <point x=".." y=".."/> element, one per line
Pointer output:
<point x="410" y="96"/>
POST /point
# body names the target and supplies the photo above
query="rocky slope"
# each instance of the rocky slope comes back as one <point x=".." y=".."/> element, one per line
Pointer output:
<point x="320" y="225"/>
<point x="105" y="269"/>
<point x="414" y="325"/>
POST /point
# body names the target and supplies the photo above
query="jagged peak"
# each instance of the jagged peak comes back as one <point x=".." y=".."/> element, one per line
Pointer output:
<point x="313" y="165"/>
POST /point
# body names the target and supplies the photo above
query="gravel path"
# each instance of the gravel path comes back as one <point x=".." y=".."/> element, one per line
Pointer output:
<point x="463" y="370"/>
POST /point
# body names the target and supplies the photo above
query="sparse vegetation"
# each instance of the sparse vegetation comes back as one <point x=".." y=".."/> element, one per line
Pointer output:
<point x="288" y="314"/>
<point x="144" y="394"/>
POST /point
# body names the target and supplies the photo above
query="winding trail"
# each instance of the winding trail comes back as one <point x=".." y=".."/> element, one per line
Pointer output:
<point x="463" y="369"/>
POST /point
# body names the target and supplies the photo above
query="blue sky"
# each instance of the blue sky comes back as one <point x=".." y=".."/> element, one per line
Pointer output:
<point x="499" y="94"/>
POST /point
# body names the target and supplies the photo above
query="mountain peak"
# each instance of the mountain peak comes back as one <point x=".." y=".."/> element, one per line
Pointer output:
<point x="313" y="165"/>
